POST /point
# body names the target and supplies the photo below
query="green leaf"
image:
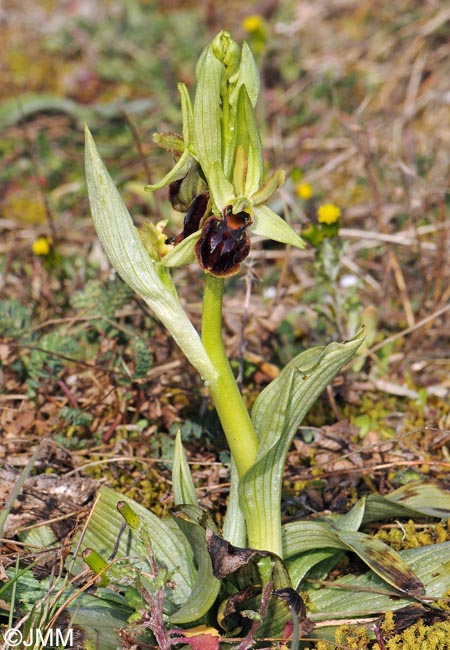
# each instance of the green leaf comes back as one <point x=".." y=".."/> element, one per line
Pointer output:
<point x="276" y="415"/>
<point x="182" y="484"/>
<point x="234" y="529"/>
<point x="267" y="223"/>
<point x="383" y="561"/>
<point x="193" y="523"/>
<point x="352" y="519"/>
<point x="304" y="536"/>
<point x="408" y="501"/>
<point x="313" y="562"/>
<point x="100" y="616"/>
<point x="367" y="595"/>
<point x="122" y="243"/>
<point x="169" y="545"/>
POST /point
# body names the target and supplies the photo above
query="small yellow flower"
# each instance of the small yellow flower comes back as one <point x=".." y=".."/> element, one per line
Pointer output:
<point x="41" y="246"/>
<point x="253" y="23"/>
<point x="328" y="213"/>
<point x="304" y="191"/>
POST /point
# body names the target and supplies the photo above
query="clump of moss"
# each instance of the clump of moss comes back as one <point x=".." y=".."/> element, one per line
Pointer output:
<point x="410" y="535"/>
<point x="419" y="635"/>
<point x="354" y="637"/>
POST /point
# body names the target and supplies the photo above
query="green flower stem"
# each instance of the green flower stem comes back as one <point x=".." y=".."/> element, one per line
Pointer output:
<point x="233" y="414"/>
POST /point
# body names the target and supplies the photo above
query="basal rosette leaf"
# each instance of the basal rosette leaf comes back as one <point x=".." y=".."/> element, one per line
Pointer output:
<point x="384" y="561"/>
<point x="355" y="596"/>
<point x="193" y="522"/>
<point x="182" y="484"/>
<point x="309" y="543"/>
<point x="171" y="548"/>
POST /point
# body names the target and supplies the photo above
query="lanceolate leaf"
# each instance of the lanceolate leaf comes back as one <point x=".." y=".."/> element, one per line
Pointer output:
<point x="171" y="549"/>
<point x="383" y="561"/>
<point x="366" y="595"/>
<point x="276" y="415"/>
<point x="233" y="529"/>
<point x="182" y="483"/>
<point x="408" y="501"/>
<point x="193" y="522"/>
<point x="301" y="538"/>
<point x="312" y="535"/>
<point x="126" y="252"/>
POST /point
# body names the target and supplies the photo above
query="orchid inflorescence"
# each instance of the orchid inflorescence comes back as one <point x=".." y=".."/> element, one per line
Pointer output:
<point x="218" y="178"/>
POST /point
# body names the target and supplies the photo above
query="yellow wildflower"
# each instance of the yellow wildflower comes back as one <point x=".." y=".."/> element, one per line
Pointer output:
<point x="304" y="191"/>
<point x="253" y="23"/>
<point x="41" y="246"/>
<point x="328" y="213"/>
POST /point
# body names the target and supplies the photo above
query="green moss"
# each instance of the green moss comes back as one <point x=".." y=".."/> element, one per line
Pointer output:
<point x="419" y="635"/>
<point x="354" y="637"/>
<point x="413" y="535"/>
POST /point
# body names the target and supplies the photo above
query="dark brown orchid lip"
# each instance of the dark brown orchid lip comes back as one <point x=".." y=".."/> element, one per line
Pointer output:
<point x="193" y="218"/>
<point x="224" y="243"/>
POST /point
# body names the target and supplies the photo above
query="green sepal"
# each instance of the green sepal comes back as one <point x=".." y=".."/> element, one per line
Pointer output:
<point x="182" y="484"/>
<point x="268" y="189"/>
<point x="183" y="253"/>
<point x="178" y="171"/>
<point x="247" y="75"/>
<point x="190" y="186"/>
<point x="240" y="168"/>
<point x="169" y="141"/>
<point x="187" y="113"/>
<point x="246" y="135"/>
<point x="207" y="113"/>
<point x="269" y="224"/>
<point x="222" y="191"/>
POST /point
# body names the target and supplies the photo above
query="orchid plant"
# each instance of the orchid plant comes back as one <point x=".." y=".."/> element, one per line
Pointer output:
<point x="219" y="180"/>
